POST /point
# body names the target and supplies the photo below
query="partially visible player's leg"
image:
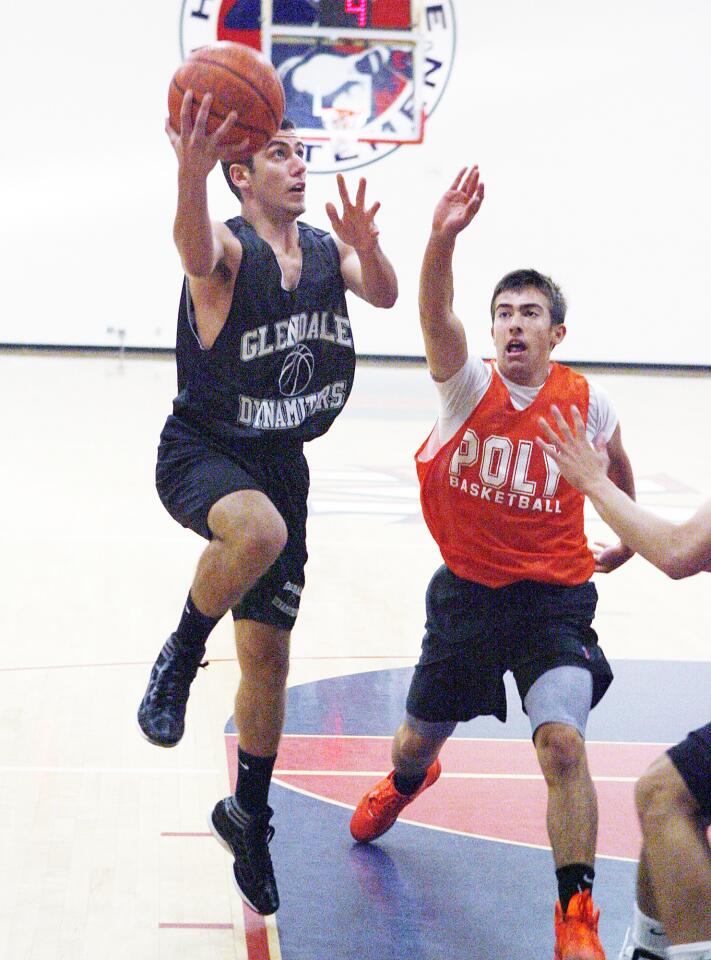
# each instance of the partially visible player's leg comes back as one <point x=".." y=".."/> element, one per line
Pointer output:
<point x="241" y="823"/>
<point x="416" y="767"/>
<point x="458" y="677"/>
<point x="558" y="703"/>
<point x="674" y="806"/>
<point x="247" y="535"/>
<point x="264" y="618"/>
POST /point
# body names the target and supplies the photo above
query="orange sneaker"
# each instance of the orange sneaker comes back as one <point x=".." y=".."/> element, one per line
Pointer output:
<point x="576" y="933"/>
<point x="380" y="807"/>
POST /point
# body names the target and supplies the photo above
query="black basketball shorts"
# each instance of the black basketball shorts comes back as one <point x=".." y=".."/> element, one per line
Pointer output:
<point x="692" y="758"/>
<point x="193" y="473"/>
<point x="474" y="634"/>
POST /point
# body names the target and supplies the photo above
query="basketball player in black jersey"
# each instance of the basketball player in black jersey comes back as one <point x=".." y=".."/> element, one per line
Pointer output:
<point x="265" y="362"/>
<point x="672" y="915"/>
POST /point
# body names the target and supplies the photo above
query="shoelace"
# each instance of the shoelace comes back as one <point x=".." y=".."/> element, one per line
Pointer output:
<point x="385" y="806"/>
<point x="173" y="679"/>
<point x="255" y="842"/>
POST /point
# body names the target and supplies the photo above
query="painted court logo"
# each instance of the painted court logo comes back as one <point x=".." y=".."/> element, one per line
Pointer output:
<point x="375" y="80"/>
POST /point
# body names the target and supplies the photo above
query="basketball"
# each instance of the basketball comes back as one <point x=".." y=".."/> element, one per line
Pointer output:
<point x="239" y="78"/>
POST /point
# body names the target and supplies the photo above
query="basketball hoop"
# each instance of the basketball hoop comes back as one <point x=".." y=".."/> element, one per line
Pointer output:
<point x="343" y="126"/>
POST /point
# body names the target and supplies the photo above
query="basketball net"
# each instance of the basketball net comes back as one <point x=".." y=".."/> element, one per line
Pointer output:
<point x="343" y="125"/>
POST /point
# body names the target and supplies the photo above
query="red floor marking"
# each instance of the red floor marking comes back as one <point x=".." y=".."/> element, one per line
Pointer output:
<point x="255" y="930"/>
<point x="458" y="756"/>
<point x="506" y="810"/>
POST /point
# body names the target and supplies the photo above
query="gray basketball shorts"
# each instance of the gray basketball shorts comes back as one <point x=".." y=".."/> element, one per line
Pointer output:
<point x="193" y="473"/>
<point x="474" y="634"/>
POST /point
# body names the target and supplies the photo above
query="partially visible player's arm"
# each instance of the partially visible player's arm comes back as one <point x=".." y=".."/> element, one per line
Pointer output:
<point x="443" y="332"/>
<point x="366" y="270"/>
<point x="679" y="550"/>
<point x="209" y="252"/>
<point x="619" y="471"/>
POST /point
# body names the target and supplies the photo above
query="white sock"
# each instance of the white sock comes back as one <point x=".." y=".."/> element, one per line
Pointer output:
<point x="690" y="951"/>
<point x="648" y="933"/>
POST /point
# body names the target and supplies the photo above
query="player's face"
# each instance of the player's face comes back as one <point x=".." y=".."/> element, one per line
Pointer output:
<point x="524" y="335"/>
<point x="279" y="176"/>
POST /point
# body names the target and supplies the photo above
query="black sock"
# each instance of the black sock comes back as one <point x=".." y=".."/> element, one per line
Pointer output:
<point x="194" y="628"/>
<point x="572" y="879"/>
<point x="254" y="774"/>
<point x="408" y="785"/>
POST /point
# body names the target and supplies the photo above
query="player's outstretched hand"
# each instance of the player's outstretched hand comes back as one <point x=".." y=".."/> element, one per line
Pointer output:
<point x="356" y="226"/>
<point x="583" y="464"/>
<point x="580" y="462"/>
<point x="460" y="204"/>
<point x="197" y="150"/>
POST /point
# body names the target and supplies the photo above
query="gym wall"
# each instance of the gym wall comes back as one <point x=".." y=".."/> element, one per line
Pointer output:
<point x="589" y="123"/>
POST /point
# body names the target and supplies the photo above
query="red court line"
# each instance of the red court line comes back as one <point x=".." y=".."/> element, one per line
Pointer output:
<point x="255" y="930"/>
<point x="507" y="811"/>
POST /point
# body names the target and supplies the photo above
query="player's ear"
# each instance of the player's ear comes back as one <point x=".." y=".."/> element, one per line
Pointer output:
<point x="558" y="332"/>
<point x="239" y="175"/>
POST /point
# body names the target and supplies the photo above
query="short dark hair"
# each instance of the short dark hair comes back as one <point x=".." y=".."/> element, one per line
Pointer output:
<point x="286" y="124"/>
<point x="519" y="279"/>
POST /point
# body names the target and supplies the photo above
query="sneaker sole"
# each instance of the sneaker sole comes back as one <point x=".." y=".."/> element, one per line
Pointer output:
<point x="223" y="843"/>
<point x="156" y="743"/>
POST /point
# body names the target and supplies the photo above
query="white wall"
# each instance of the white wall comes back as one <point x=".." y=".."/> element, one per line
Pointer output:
<point x="590" y="124"/>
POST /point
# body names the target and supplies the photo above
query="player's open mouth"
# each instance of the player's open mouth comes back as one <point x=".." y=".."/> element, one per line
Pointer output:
<point x="515" y="346"/>
<point x="299" y="188"/>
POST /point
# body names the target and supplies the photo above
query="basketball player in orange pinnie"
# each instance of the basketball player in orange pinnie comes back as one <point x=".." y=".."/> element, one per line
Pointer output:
<point x="265" y="362"/>
<point x="514" y="592"/>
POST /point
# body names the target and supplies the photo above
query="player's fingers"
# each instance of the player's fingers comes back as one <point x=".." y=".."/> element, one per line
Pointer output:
<point x="360" y="194"/>
<point x="470" y="183"/>
<point x="226" y="128"/>
<point x="186" y="114"/>
<point x="548" y="430"/>
<point x="202" y="114"/>
<point x="373" y="210"/>
<point x="458" y="179"/>
<point x="333" y="216"/>
<point x="578" y="421"/>
<point x="342" y="189"/>
<point x="562" y="423"/>
<point x="173" y="135"/>
<point x="547" y="448"/>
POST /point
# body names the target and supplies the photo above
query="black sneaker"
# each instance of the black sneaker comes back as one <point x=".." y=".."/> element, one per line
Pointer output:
<point x="247" y="838"/>
<point x="161" y="714"/>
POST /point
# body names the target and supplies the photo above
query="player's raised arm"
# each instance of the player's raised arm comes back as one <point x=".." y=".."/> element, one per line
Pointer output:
<point x="445" y="340"/>
<point x="679" y="550"/>
<point x="200" y="243"/>
<point x="366" y="270"/>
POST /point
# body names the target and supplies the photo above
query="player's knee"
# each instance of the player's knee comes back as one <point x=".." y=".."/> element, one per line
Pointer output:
<point x="661" y="793"/>
<point x="249" y="526"/>
<point x="561" y="751"/>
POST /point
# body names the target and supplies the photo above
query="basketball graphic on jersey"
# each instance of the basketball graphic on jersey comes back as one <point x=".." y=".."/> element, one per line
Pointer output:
<point x="297" y="371"/>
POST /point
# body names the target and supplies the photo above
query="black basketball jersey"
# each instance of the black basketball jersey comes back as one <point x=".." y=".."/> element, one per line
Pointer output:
<point x="283" y="364"/>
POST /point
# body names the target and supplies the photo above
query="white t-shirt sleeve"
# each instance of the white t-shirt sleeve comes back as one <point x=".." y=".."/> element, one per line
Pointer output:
<point x="457" y="398"/>
<point x="602" y="416"/>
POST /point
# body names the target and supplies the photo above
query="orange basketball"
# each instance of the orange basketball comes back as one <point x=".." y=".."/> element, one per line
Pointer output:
<point x="239" y="78"/>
